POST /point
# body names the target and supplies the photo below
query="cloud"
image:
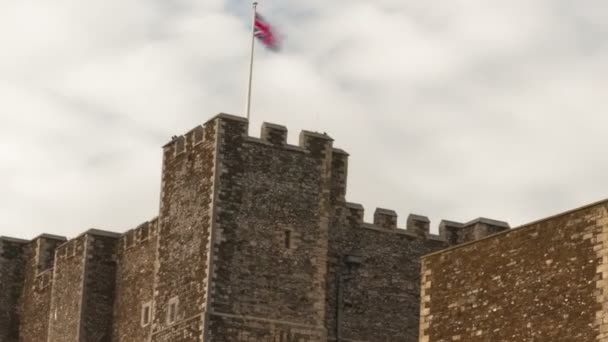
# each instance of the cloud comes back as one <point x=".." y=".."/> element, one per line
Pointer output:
<point x="456" y="110"/>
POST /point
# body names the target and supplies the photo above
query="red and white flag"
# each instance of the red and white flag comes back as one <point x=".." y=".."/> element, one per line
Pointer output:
<point x="265" y="33"/>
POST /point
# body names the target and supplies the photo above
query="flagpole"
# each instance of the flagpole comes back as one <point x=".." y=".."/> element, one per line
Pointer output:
<point x="255" y="4"/>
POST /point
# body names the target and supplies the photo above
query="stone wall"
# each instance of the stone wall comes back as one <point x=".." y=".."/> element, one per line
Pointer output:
<point x="540" y="282"/>
<point x="35" y="301"/>
<point x="12" y="256"/>
<point x="99" y="286"/>
<point x="67" y="291"/>
<point x="373" y="283"/>
<point x="82" y="292"/>
<point x="136" y="256"/>
<point x="270" y="245"/>
<point x="187" y="189"/>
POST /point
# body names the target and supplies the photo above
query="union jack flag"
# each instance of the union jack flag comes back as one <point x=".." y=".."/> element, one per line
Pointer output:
<point x="266" y="33"/>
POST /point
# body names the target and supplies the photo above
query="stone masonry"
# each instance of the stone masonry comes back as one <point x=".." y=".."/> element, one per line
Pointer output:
<point x="544" y="281"/>
<point x="254" y="242"/>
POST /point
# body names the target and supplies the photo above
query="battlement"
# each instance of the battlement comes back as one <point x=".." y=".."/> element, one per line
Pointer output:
<point x="141" y="234"/>
<point x="71" y="248"/>
<point x="77" y="246"/>
<point x="419" y="226"/>
<point x="44" y="247"/>
<point x="271" y="135"/>
<point x="385" y="220"/>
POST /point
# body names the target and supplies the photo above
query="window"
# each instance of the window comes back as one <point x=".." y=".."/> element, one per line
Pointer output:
<point x="288" y="239"/>
<point x="146" y="314"/>
<point x="172" y="310"/>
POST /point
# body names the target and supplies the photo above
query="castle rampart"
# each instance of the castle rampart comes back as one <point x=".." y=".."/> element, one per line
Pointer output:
<point x="544" y="281"/>
<point x="254" y="241"/>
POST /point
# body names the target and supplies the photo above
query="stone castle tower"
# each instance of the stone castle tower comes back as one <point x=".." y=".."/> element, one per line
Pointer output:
<point x="254" y="241"/>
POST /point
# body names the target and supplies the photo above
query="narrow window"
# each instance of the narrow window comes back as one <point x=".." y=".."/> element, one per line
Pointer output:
<point x="288" y="239"/>
<point x="146" y="313"/>
<point x="172" y="310"/>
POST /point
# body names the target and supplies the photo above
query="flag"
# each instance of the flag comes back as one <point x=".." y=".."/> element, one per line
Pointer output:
<point x="266" y="33"/>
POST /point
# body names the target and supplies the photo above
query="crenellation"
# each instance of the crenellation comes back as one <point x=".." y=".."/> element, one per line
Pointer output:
<point x="385" y="218"/>
<point x="418" y="225"/>
<point x="195" y="136"/>
<point x="71" y="248"/>
<point x="316" y="143"/>
<point x="354" y="213"/>
<point x="339" y="175"/>
<point x="180" y="145"/>
<point x="449" y="231"/>
<point x="274" y="134"/>
<point x="140" y="234"/>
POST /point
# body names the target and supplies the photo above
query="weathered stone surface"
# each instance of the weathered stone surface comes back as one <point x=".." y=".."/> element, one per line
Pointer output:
<point x="67" y="291"/>
<point x="254" y="242"/>
<point x="82" y="293"/>
<point x="185" y="220"/>
<point x="99" y="286"/>
<point x="36" y="296"/>
<point x="136" y="256"/>
<point x="373" y="281"/>
<point x="270" y="245"/>
<point x="12" y="256"/>
<point x="540" y="282"/>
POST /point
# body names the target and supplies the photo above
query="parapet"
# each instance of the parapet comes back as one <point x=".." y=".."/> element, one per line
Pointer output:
<point x="418" y="225"/>
<point x="274" y="134"/>
<point x="50" y="237"/>
<point x="456" y="233"/>
<point x="449" y="231"/>
<point x="142" y="233"/>
<point x="385" y="220"/>
<point x="230" y="126"/>
<point x="76" y="246"/>
<point x="354" y="212"/>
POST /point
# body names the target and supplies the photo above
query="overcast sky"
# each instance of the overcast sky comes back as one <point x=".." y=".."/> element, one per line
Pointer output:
<point x="452" y="109"/>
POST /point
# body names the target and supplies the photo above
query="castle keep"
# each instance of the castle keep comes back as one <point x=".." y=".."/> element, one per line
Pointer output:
<point x="254" y="241"/>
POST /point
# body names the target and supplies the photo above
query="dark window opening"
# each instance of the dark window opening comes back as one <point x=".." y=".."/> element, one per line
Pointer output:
<point x="172" y="309"/>
<point x="146" y="314"/>
<point x="288" y="239"/>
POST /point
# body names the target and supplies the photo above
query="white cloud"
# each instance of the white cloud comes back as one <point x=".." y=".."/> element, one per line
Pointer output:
<point x="453" y="110"/>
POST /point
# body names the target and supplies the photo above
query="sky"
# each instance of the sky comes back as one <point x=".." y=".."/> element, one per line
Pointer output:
<point x="453" y="109"/>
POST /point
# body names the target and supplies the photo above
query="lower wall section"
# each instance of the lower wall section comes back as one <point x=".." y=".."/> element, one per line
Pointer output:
<point x="188" y="330"/>
<point x="231" y="328"/>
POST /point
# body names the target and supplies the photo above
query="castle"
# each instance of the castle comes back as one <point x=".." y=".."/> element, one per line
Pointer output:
<point x="254" y="241"/>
